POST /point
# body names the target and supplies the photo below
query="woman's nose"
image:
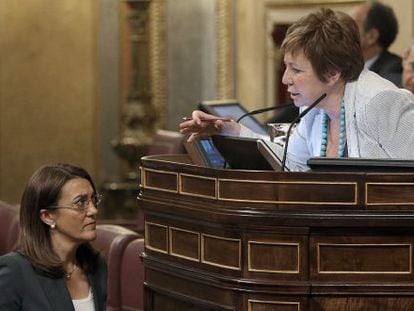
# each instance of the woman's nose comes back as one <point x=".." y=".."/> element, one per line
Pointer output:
<point x="92" y="210"/>
<point x="286" y="78"/>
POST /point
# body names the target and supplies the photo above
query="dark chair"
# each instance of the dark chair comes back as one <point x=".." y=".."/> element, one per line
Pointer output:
<point x="9" y="227"/>
<point x="132" y="277"/>
<point x="111" y="241"/>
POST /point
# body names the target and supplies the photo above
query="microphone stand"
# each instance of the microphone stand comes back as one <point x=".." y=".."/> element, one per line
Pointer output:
<point x="301" y="115"/>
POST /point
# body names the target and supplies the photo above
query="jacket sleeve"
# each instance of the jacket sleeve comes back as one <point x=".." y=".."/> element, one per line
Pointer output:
<point x="11" y="285"/>
<point x="390" y="118"/>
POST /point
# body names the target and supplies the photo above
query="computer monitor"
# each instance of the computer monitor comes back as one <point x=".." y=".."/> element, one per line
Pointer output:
<point x="232" y="109"/>
<point x="233" y="152"/>
<point x="203" y="152"/>
<point x="241" y="152"/>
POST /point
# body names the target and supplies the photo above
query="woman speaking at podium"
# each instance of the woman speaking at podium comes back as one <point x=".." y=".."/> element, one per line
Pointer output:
<point x="362" y="114"/>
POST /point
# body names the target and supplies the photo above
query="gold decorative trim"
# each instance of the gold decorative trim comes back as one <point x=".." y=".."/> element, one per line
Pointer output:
<point x="409" y="271"/>
<point x="225" y="49"/>
<point x="172" y="253"/>
<point x="148" y="235"/>
<point x="354" y="202"/>
<point x="196" y="194"/>
<point x="272" y="243"/>
<point x="158" y="58"/>
<point x="250" y="303"/>
<point x="146" y="186"/>
<point x="368" y="184"/>
<point x="203" y="260"/>
<point x="141" y="175"/>
<point x="222" y="101"/>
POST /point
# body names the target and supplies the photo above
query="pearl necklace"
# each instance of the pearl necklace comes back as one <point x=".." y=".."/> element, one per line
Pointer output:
<point x="325" y="125"/>
<point x="68" y="275"/>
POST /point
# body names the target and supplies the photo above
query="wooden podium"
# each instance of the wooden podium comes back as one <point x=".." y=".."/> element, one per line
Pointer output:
<point x="269" y="241"/>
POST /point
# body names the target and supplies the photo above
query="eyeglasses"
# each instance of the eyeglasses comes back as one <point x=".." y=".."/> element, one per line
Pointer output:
<point x="82" y="203"/>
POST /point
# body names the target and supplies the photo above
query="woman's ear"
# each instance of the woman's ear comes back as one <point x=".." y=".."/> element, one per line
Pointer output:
<point x="332" y="77"/>
<point x="48" y="218"/>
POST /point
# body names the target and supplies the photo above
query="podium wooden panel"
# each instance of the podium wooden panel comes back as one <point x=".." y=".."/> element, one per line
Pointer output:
<point x="275" y="241"/>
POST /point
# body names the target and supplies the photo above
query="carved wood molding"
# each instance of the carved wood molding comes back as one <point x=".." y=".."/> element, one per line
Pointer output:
<point x="225" y="49"/>
<point x="158" y="58"/>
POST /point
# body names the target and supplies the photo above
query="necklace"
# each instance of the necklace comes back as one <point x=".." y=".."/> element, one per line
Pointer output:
<point x="325" y="125"/>
<point x="68" y="274"/>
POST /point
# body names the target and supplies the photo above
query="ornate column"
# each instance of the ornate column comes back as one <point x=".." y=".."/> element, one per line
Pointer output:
<point x="138" y="114"/>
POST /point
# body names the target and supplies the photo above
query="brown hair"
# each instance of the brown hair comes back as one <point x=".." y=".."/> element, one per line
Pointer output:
<point x="43" y="190"/>
<point x="330" y="40"/>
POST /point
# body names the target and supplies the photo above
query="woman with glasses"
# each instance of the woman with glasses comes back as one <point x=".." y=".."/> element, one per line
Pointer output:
<point x="54" y="266"/>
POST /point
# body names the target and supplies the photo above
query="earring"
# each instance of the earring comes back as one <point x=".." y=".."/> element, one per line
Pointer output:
<point x="52" y="226"/>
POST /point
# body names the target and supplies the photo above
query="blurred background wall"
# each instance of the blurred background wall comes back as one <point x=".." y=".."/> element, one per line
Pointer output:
<point x="48" y="81"/>
<point x="62" y="72"/>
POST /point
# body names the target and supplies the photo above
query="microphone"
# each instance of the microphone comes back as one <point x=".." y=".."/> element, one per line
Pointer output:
<point x="257" y="111"/>
<point x="300" y="116"/>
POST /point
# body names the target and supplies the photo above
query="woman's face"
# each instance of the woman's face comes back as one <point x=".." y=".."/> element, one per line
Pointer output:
<point x="73" y="224"/>
<point x="408" y="71"/>
<point x="302" y="82"/>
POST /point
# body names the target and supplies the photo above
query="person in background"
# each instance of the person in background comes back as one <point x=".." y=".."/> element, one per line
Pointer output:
<point x="322" y="54"/>
<point x="378" y="28"/>
<point x="54" y="266"/>
<point x="408" y="69"/>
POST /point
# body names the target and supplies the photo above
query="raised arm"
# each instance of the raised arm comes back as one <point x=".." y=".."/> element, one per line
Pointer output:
<point x="202" y="125"/>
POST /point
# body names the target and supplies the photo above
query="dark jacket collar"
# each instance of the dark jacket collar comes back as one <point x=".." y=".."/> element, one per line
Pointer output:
<point x="58" y="295"/>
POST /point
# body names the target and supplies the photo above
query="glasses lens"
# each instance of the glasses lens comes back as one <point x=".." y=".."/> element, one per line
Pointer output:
<point x="96" y="199"/>
<point x="81" y="204"/>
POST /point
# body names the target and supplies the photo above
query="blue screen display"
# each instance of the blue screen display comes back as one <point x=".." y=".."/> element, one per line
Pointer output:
<point x="212" y="156"/>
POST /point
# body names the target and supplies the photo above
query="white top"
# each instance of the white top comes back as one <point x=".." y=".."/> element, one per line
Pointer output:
<point x="84" y="304"/>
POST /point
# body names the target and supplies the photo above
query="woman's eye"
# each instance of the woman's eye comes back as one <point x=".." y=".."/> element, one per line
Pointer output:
<point x="80" y="203"/>
<point x="296" y="70"/>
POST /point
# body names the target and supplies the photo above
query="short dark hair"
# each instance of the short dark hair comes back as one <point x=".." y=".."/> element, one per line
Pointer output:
<point x="43" y="190"/>
<point x="382" y="18"/>
<point x="330" y="40"/>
